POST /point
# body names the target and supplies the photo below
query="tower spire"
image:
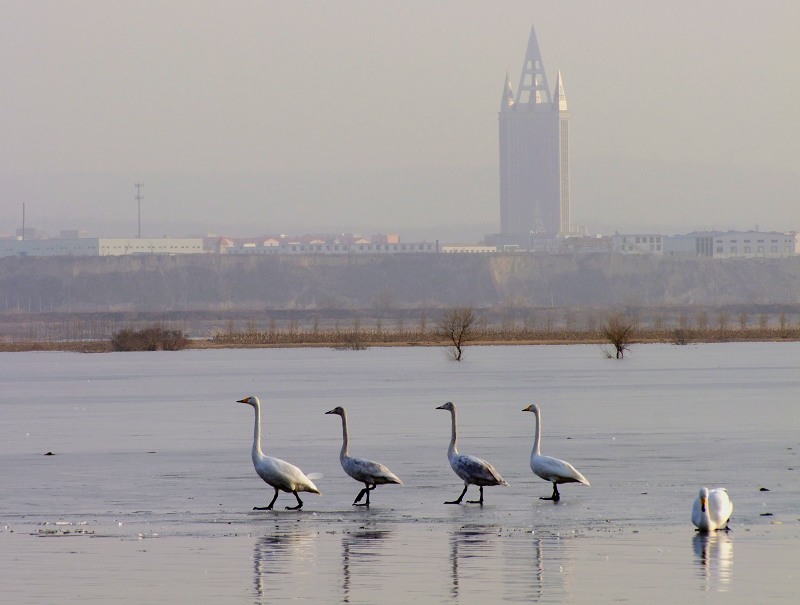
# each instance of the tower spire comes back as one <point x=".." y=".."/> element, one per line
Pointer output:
<point x="533" y="90"/>
<point x="560" y="100"/>
<point x="508" y="95"/>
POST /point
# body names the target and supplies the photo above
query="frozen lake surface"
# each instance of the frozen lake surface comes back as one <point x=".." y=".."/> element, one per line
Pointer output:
<point x="148" y="495"/>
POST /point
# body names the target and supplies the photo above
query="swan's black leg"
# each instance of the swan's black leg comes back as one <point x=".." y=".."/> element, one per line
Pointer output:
<point x="479" y="500"/>
<point x="458" y="501"/>
<point x="555" y="497"/>
<point x="361" y="495"/>
<point x="275" y="497"/>
<point x="299" y="503"/>
<point x="369" y="489"/>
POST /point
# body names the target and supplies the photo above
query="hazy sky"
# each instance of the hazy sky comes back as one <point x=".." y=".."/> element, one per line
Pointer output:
<point x="252" y="117"/>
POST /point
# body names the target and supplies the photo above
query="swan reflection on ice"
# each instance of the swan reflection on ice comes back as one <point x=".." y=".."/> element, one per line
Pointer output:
<point x="552" y="569"/>
<point x="714" y="554"/>
<point x="466" y="543"/>
<point x="358" y="550"/>
<point x="277" y="552"/>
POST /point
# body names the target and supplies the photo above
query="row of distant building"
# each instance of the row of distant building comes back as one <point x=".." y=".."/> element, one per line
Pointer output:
<point x="714" y="244"/>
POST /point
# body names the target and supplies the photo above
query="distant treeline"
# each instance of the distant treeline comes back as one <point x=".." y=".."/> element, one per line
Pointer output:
<point x="359" y="329"/>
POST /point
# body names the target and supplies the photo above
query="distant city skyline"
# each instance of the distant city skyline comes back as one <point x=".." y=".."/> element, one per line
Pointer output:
<point x="259" y="117"/>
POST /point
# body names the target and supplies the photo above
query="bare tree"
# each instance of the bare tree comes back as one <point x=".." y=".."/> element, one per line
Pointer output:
<point x="722" y="320"/>
<point x="618" y="330"/>
<point x="456" y="326"/>
<point x="743" y="320"/>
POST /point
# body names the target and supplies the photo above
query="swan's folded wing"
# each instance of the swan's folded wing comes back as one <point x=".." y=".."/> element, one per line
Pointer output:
<point x="478" y="471"/>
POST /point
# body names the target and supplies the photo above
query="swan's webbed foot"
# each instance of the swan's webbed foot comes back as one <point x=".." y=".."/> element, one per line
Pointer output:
<point x="299" y="503"/>
<point x="461" y="497"/>
<point x="269" y="506"/>
<point x="555" y="497"/>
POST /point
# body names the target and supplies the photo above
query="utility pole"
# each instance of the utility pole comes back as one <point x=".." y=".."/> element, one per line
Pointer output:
<point x="139" y="198"/>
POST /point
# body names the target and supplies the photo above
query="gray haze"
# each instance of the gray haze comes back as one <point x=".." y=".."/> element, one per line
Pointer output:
<point x="260" y="117"/>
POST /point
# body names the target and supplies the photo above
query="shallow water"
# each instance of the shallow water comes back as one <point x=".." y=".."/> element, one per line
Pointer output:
<point x="148" y="495"/>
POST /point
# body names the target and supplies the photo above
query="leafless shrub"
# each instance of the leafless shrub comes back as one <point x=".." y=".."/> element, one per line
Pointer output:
<point x="681" y="336"/>
<point x="618" y="330"/>
<point x="149" y="339"/>
<point x="456" y="326"/>
<point x="743" y="318"/>
<point x="351" y="342"/>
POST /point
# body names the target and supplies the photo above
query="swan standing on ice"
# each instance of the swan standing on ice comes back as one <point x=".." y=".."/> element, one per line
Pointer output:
<point x="279" y="474"/>
<point x="548" y="468"/>
<point x="473" y="470"/>
<point x="370" y="473"/>
<point x="712" y="509"/>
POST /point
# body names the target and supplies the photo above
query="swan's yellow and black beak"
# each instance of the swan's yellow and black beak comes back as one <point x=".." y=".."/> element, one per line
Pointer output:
<point x="245" y="400"/>
<point x="331" y="411"/>
<point x="703" y="504"/>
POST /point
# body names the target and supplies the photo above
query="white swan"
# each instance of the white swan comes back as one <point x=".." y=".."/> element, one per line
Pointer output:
<point x="278" y="473"/>
<point x="712" y="509"/>
<point x="548" y="468"/>
<point x="473" y="470"/>
<point x="370" y="473"/>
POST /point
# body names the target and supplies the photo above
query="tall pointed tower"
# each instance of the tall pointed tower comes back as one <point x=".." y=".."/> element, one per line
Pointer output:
<point x="534" y="152"/>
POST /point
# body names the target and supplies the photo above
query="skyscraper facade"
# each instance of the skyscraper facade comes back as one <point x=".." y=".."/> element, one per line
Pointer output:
<point x="534" y="152"/>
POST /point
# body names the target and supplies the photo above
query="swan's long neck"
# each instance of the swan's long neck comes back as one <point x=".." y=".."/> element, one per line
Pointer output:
<point x="257" y="432"/>
<point x="452" y="450"/>
<point x="345" y="438"/>
<point x="537" y="436"/>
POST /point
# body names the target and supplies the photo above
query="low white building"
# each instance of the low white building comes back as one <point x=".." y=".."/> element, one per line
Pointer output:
<point x="94" y="246"/>
<point x="330" y="247"/>
<point x="714" y="244"/>
<point x="753" y="244"/>
<point x="468" y="249"/>
<point x="641" y="243"/>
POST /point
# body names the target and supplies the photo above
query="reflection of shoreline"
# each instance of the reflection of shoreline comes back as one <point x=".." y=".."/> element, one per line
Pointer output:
<point x="271" y="554"/>
<point x="714" y="554"/>
<point x="359" y="548"/>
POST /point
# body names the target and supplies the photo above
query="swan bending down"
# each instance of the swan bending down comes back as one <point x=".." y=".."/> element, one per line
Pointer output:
<point x="278" y="473"/>
<point x="712" y="509"/>
<point x="548" y="468"/>
<point x="370" y="473"/>
<point x="473" y="470"/>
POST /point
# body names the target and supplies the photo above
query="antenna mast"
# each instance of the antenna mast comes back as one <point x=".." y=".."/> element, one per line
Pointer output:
<point x="139" y="198"/>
